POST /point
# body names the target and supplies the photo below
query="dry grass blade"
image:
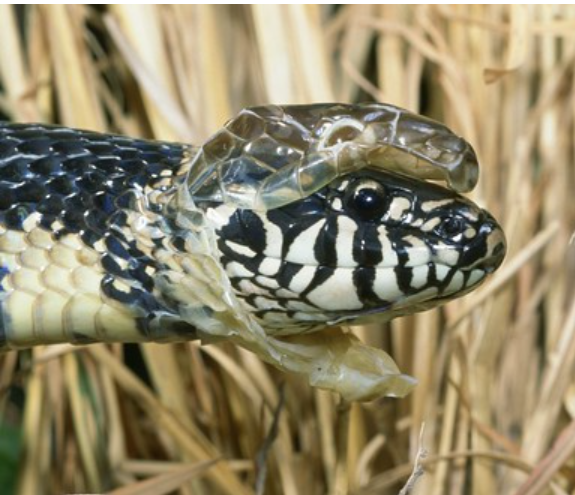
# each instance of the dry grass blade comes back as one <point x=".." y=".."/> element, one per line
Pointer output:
<point x="73" y="73"/>
<point x="165" y="108"/>
<point x="418" y="470"/>
<point x="193" y="442"/>
<point x="165" y="483"/>
<point x="547" y="468"/>
<point x="495" y="369"/>
<point x="261" y="458"/>
<point x="517" y="49"/>
<point x="12" y="63"/>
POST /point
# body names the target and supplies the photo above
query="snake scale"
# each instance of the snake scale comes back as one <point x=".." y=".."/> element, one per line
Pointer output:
<point x="286" y="223"/>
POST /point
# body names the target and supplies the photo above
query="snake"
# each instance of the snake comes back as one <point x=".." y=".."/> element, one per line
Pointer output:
<point x="283" y="228"/>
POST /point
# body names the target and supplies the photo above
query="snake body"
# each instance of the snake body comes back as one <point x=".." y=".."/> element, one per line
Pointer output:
<point x="287" y="221"/>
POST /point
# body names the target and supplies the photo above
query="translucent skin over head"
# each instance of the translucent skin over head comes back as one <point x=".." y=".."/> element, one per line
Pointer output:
<point x="267" y="157"/>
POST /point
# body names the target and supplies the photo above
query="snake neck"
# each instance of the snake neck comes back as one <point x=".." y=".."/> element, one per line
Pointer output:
<point x="84" y="238"/>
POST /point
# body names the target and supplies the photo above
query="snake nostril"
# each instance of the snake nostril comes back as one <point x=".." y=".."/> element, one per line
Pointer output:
<point x="499" y="249"/>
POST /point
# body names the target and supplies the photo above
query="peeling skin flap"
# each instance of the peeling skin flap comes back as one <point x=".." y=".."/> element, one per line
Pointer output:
<point x="331" y="359"/>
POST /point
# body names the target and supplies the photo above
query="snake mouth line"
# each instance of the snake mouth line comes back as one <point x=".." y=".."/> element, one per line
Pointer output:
<point x="440" y="283"/>
<point x="396" y="308"/>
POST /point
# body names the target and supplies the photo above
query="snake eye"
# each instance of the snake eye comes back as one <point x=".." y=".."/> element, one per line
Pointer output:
<point x="366" y="199"/>
<point x="452" y="226"/>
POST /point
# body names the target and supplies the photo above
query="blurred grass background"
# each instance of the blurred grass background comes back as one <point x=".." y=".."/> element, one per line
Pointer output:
<point x="496" y="391"/>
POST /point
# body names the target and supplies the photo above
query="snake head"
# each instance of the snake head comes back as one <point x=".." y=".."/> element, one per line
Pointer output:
<point x="415" y="245"/>
<point x="267" y="157"/>
<point x="321" y="214"/>
<point x="370" y="245"/>
<point x="325" y="214"/>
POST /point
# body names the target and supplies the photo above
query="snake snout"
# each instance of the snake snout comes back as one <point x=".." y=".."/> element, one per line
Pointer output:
<point x="487" y="250"/>
<point x="494" y="262"/>
<point x="496" y="249"/>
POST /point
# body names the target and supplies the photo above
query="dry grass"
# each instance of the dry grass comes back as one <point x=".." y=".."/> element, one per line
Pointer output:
<point x="495" y="369"/>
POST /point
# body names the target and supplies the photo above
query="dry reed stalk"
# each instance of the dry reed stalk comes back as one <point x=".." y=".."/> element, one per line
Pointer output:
<point x="165" y="483"/>
<point x="495" y="369"/>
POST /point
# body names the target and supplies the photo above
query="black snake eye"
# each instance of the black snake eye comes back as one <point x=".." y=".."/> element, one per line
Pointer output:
<point x="452" y="225"/>
<point x="366" y="199"/>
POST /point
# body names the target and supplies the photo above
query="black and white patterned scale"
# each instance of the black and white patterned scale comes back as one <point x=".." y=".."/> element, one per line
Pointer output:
<point x="325" y="259"/>
<point x="82" y="234"/>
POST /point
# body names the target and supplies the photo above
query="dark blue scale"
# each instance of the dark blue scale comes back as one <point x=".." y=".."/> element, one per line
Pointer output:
<point x="32" y="191"/>
<point x="87" y="182"/>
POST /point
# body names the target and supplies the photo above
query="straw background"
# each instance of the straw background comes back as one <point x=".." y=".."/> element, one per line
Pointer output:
<point x="496" y="392"/>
